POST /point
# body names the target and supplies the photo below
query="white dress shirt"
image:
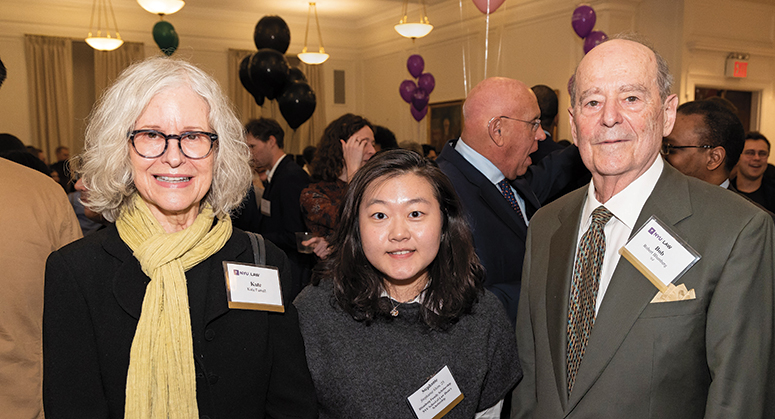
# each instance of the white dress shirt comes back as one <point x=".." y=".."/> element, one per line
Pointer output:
<point x="270" y="172"/>
<point x="626" y="207"/>
<point x="489" y="170"/>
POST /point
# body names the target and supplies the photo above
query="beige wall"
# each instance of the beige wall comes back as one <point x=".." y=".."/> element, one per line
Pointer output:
<point x="530" y="40"/>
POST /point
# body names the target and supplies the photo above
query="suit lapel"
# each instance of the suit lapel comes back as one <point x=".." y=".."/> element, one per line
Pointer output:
<point x="629" y="292"/>
<point x="562" y="248"/>
<point x="487" y="191"/>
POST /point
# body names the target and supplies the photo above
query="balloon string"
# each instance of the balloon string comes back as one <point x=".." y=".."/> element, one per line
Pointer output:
<point x="487" y="39"/>
<point x="500" y="47"/>
<point x="463" y="50"/>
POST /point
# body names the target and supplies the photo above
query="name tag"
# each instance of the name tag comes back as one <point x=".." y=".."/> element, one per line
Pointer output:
<point x="253" y="287"/>
<point x="436" y="397"/>
<point x="659" y="254"/>
<point x="266" y="207"/>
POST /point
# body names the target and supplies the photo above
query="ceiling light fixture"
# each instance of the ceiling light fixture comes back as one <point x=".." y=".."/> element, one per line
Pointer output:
<point x="99" y="42"/>
<point x="162" y="7"/>
<point x="313" y="58"/>
<point x="413" y="30"/>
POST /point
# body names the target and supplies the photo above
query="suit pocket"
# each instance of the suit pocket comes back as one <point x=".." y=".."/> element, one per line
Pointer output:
<point x="673" y="308"/>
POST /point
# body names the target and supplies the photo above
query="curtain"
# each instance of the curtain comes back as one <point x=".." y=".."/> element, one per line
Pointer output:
<point x="50" y="80"/>
<point x="295" y="141"/>
<point x="109" y="64"/>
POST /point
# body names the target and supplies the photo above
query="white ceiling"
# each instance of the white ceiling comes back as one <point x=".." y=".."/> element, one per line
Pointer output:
<point x="355" y="10"/>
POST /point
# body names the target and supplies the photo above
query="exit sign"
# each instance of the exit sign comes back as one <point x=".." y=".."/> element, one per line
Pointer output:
<point x="736" y="68"/>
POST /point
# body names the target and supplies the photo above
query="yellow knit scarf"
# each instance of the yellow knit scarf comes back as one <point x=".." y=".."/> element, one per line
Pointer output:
<point x="161" y="381"/>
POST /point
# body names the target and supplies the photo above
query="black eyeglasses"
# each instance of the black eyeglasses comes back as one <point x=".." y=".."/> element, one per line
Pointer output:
<point x="150" y="144"/>
<point x="536" y="123"/>
<point x="668" y="148"/>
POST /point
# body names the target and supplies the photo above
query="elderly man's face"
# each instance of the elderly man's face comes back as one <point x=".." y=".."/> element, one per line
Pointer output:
<point x="618" y="120"/>
<point x="686" y="132"/>
<point x="520" y="137"/>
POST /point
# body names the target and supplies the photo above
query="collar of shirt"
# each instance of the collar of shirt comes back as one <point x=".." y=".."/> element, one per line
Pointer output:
<point x="725" y="184"/>
<point x="270" y="172"/>
<point x="626" y="206"/>
<point x="489" y="170"/>
<point x="480" y="162"/>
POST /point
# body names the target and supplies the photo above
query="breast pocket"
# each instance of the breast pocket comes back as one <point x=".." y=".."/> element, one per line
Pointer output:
<point x="673" y="308"/>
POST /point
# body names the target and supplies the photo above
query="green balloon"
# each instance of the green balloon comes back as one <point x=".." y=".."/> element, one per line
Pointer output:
<point x="166" y="38"/>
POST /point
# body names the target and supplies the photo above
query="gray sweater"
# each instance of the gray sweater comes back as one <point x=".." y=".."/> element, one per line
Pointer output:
<point x="365" y="372"/>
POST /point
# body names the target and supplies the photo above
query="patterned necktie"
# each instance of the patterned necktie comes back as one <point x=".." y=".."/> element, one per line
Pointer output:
<point x="505" y="188"/>
<point x="586" y="281"/>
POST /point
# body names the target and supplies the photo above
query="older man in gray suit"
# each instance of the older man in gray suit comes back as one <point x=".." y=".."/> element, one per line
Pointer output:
<point x="593" y="340"/>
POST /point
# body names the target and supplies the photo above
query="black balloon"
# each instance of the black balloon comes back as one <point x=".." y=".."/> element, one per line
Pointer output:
<point x="297" y="103"/>
<point x="269" y="71"/>
<point x="247" y="83"/>
<point x="294" y="74"/>
<point x="272" y="32"/>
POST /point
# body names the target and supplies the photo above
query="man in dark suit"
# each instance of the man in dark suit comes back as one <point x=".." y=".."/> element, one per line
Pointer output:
<point x="548" y="103"/>
<point x="630" y="356"/>
<point x="706" y="141"/>
<point x="277" y="215"/>
<point x="502" y="128"/>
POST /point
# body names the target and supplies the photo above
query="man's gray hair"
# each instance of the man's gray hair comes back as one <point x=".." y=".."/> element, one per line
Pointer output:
<point x="664" y="78"/>
<point x="105" y="164"/>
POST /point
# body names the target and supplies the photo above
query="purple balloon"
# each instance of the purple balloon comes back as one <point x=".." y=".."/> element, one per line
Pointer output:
<point x="406" y="89"/>
<point x="415" y="65"/>
<point x="418" y="115"/>
<point x="419" y="99"/>
<point x="593" y="40"/>
<point x="426" y="82"/>
<point x="583" y="20"/>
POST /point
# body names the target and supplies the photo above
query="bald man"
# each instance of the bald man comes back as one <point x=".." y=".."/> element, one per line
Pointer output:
<point x="488" y="166"/>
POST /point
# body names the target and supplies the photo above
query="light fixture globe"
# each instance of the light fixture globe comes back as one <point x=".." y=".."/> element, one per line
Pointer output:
<point x="162" y="7"/>
<point x="312" y="58"/>
<point x="103" y="43"/>
<point x="413" y="30"/>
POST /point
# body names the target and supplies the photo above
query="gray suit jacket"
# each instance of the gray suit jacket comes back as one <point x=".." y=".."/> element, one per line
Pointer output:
<point x="706" y="357"/>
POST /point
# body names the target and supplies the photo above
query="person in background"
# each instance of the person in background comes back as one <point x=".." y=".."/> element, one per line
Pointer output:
<point x="35" y="221"/>
<point x="401" y="297"/>
<point x="751" y="180"/>
<point x="384" y="139"/>
<point x="308" y="155"/>
<point x="346" y="145"/>
<point x="278" y="214"/>
<point x="706" y="142"/>
<point x="136" y="320"/>
<point x="62" y="167"/>
<point x="429" y="151"/>
<point x="412" y="145"/>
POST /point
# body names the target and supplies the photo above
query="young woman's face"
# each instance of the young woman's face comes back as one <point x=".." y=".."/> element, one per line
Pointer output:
<point x="400" y="222"/>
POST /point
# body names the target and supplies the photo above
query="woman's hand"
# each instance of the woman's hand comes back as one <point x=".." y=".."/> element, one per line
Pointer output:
<point x="319" y="246"/>
<point x="353" y="150"/>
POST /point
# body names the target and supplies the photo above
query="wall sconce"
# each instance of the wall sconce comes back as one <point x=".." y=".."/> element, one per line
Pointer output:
<point x="162" y="7"/>
<point x="413" y="30"/>
<point x="99" y="42"/>
<point x="313" y="58"/>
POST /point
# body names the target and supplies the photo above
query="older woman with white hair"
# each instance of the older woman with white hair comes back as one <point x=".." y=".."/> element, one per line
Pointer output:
<point x="137" y="321"/>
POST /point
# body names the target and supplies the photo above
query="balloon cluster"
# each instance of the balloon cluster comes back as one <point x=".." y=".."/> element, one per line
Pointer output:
<point x="417" y="94"/>
<point x="166" y="38"/>
<point x="266" y="73"/>
<point x="583" y="22"/>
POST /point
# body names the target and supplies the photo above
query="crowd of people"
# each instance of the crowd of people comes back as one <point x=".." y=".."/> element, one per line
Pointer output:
<point x="197" y="270"/>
